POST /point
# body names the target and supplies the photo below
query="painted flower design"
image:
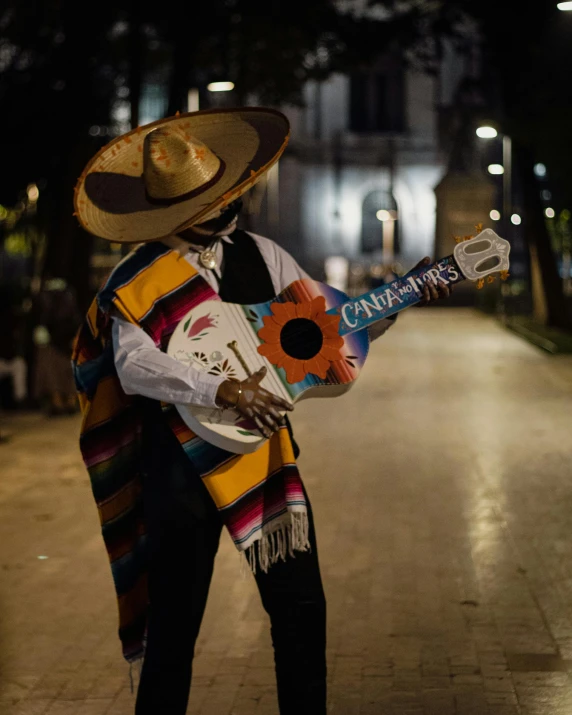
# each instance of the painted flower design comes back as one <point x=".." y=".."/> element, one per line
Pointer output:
<point x="224" y="368"/>
<point x="301" y="338"/>
<point x="201" y="324"/>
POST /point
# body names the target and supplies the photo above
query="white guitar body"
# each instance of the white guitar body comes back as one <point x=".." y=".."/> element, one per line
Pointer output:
<point x="202" y="341"/>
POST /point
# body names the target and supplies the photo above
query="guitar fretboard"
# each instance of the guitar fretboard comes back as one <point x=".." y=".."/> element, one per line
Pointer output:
<point x="383" y="302"/>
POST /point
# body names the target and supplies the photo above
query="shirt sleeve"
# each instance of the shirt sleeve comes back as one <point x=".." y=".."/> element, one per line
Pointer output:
<point x="145" y="370"/>
<point x="381" y="327"/>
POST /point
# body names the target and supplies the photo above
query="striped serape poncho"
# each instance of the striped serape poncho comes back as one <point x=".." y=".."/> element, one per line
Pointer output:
<point x="259" y="496"/>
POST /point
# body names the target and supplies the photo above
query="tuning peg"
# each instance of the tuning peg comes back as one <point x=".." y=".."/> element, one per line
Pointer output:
<point x="468" y="238"/>
<point x="491" y="279"/>
<point x="458" y="239"/>
<point x="480" y="283"/>
<point x="479" y="227"/>
<point x="504" y="276"/>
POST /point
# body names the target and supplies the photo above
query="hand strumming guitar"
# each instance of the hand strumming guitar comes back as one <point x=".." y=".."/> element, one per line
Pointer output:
<point x="254" y="402"/>
<point x="431" y="292"/>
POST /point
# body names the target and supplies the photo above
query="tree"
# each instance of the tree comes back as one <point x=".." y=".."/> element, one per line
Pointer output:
<point x="268" y="48"/>
<point x="62" y="72"/>
<point x="527" y="87"/>
<point x="53" y="88"/>
<point x="60" y="78"/>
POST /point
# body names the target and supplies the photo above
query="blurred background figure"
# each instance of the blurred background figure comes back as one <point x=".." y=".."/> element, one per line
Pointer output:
<point x="13" y="366"/>
<point x="380" y="274"/>
<point x="357" y="279"/>
<point x="16" y="370"/>
<point x="337" y="270"/>
<point x="56" y="320"/>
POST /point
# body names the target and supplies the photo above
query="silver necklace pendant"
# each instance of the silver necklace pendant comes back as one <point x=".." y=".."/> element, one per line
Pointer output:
<point x="207" y="258"/>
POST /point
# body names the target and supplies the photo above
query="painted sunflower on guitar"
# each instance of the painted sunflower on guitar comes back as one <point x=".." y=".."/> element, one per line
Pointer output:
<point x="301" y="338"/>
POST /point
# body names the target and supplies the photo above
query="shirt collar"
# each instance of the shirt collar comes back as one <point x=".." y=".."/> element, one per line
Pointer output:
<point x="184" y="247"/>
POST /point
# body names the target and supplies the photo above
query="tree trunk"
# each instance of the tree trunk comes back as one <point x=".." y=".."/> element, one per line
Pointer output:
<point x="537" y="236"/>
<point x="67" y="252"/>
<point x="179" y="83"/>
<point x="135" y="62"/>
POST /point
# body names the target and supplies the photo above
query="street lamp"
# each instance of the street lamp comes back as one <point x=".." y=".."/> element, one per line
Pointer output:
<point x="193" y="100"/>
<point x="488" y="132"/>
<point x="220" y="86"/>
<point x="388" y="219"/>
<point x="193" y="95"/>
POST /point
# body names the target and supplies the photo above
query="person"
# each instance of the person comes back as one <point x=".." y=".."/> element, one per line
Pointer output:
<point x="57" y="319"/>
<point x="13" y="366"/>
<point x="163" y="494"/>
<point x="16" y="370"/>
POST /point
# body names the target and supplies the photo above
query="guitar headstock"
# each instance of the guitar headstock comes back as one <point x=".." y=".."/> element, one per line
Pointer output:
<point x="483" y="255"/>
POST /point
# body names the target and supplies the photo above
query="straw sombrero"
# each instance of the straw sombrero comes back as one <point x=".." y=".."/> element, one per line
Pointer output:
<point x="176" y="172"/>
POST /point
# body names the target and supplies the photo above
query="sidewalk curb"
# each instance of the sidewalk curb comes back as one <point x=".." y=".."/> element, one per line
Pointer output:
<point x="552" y="340"/>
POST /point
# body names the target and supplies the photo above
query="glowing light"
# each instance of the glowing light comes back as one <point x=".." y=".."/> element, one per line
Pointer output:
<point x="546" y="195"/>
<point x="487" y="132"/>
<point x="220" y="86"/>
<point x="193" y="100"/>
<point x="121" y="111"/>
<point x="540" y="170"/>
<point x="43" y="558"/>
<point x="3" y="213"/>
<point x="516" y="219"/>
<point x="384" y="215"/>
<point x="337" y="268"/>
<point x="496" y="169"/>
<point x="495" y="215"/>
<point x="550" y="213"/>
<point x="33" y="193"/>
<point x="565" y="6"/>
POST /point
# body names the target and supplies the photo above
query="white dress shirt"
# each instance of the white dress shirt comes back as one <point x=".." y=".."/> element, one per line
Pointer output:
<point x="143" y="369"/>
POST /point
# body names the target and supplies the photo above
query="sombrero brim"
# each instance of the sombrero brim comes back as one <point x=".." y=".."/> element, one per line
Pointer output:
<point x="110" y="198"/>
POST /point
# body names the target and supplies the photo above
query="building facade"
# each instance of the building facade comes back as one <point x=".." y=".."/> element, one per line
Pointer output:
<point x="359" y="176"/>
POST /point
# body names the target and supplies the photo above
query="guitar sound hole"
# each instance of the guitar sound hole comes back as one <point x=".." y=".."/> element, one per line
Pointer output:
<point x="301" y="339"/>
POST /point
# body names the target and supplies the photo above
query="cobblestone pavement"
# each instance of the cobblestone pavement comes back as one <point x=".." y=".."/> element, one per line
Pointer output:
<point x="443" y="498"/>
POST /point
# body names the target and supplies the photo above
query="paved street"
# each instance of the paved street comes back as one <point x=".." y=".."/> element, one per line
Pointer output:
<point x="442" y="489"/>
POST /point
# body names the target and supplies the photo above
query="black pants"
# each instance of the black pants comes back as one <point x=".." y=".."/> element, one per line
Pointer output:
<point x="184" y="530"/>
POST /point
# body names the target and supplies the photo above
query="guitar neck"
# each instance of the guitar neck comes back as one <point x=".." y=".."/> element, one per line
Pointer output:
<point x="387" y="300"/>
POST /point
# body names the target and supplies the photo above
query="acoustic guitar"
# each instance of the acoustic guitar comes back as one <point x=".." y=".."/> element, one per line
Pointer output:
<point x="312" y="338"/>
